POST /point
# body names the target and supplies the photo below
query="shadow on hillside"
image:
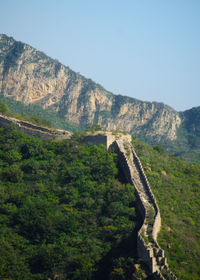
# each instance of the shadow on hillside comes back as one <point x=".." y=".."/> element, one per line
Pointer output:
<point x="126" y="251"/>
<point x="123" y="259"/>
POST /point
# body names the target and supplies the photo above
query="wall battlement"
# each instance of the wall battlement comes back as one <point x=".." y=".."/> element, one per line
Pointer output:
<point x="147" y="247"/>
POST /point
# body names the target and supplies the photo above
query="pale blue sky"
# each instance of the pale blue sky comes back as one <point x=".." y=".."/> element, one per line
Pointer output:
<point x="147" y="49"/>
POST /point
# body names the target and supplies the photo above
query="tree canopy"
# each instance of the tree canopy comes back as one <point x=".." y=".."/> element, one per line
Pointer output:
<point x="62" y="208"/>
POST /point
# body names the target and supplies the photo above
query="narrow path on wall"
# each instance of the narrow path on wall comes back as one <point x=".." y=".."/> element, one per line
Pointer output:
<point x="147" y="234"/>
<point x="140" y="185"/>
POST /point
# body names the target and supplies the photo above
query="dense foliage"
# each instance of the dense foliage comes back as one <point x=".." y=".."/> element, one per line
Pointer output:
<point x="176" y="186"/>
<point x="64" y="214"/>
<point x="62" y="210"/>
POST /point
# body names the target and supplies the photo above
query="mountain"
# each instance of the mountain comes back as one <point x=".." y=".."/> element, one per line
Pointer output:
<point x="187" y="143"/>
<point x="31" y="77"/>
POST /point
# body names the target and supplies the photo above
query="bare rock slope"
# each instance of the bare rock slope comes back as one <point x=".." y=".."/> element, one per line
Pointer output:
<point x="30" y="76"/>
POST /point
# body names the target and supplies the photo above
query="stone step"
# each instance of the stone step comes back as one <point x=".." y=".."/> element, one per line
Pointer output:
<point x="140" y="181"/>
<point x="158" y="252"/>
<point x="158" y="276"/>
<point x="161" y="261"/>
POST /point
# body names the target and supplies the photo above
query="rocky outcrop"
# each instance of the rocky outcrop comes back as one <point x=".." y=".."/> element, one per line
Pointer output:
<point x="30" y="76"/>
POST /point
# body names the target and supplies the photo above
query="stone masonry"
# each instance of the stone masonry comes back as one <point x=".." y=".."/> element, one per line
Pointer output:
<point x="147" y="247"/>
<point x="35" y="130"/>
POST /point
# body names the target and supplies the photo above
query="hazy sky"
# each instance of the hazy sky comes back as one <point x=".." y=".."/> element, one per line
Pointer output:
<point x="147" y="49"/>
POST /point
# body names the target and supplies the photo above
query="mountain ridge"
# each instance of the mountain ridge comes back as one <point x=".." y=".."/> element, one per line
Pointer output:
<point x="131" y="99"/>
<point x="32" y="77"/>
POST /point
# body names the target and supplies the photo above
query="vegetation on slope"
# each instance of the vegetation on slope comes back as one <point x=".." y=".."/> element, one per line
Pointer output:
<point x="176" y="186"/>
<point x="36" y="114"/>
<point x="187" y="144"/>
<point x="63" y="213"/>
<point x="15" y="54"/>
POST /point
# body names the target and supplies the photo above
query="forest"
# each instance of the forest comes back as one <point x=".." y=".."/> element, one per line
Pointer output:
<point x="64" y="211"/>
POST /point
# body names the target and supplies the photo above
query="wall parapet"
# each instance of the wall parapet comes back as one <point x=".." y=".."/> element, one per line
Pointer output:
<point x="147" y="247"/>
<point x="35" y="130"/>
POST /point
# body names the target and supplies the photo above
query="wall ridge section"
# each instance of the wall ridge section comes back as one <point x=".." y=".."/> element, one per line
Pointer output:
<point x="147" y="247"/>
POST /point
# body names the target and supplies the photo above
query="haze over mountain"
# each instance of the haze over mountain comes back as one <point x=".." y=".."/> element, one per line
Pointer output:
<point x="32" y="77"/>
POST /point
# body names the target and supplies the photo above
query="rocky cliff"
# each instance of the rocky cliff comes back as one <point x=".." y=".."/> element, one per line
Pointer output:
<point x="30" y="76"/>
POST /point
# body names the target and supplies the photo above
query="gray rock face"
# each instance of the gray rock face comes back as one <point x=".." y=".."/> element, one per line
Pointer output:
<point x="30" y="76"/>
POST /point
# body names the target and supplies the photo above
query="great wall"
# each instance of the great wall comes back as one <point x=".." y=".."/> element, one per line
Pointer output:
<point x="35" y="130"/>
<point x="147" y="247"/>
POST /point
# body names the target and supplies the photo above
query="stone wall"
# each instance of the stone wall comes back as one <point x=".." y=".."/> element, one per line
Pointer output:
<point x="157" y="217"/>
<point x="105" y="138"/>
<point x="147" y="247"/>
<point x="35" y="130"/>
<point x="97" y="140"/>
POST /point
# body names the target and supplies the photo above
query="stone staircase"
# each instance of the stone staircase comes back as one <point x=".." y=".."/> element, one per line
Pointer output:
<point x="147" y="247"/>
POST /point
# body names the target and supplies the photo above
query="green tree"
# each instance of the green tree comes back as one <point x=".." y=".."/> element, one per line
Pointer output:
<point x="96" y="127"/>
<point x="3" y="108"/>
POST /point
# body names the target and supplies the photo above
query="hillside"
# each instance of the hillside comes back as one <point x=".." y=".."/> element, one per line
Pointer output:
<point x="62" y="210"/>
<point x="66" y="212"/>
<point x="187" y="144"/>
<point x="19" y="110"/>
<point x="33" y="78"/>
<point x="176" y="186"/>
